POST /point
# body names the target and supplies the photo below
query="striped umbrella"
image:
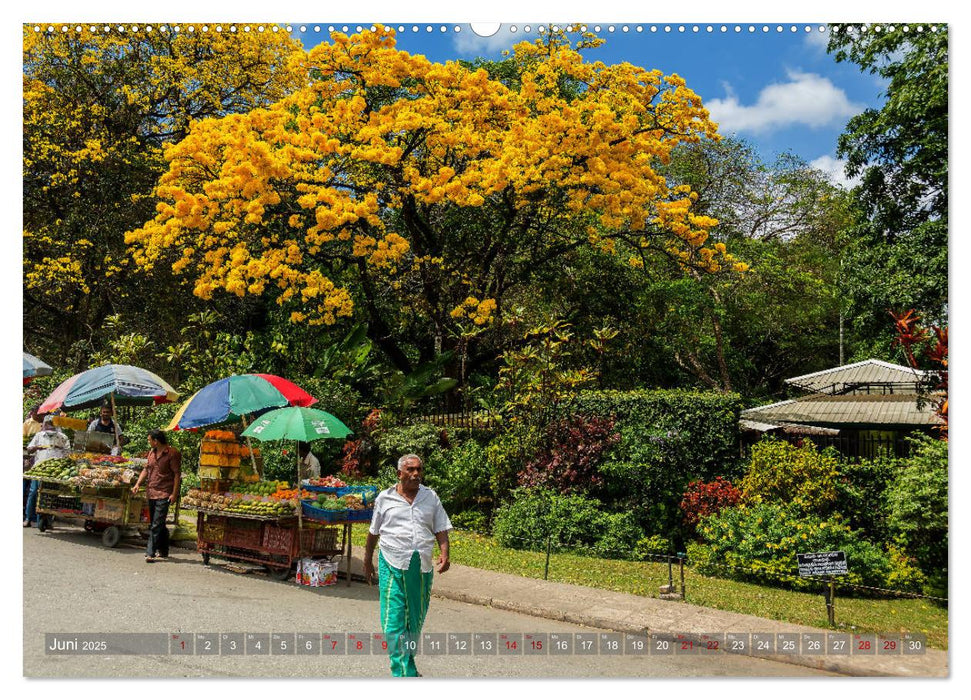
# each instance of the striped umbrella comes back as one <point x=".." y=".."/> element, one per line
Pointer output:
<point x="229" y="400"/>
<point x="34" y="367"/>
<point x="124" y="384"/>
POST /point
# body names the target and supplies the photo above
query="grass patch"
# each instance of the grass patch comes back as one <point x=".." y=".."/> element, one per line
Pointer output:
<point x="644" y="579"/>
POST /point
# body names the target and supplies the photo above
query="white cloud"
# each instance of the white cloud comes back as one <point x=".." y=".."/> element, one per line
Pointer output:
<point x="807" y="99"/>
<point x="818" y="40"/>
<point x="836" y="170"/>
<point x="469" y="44"/>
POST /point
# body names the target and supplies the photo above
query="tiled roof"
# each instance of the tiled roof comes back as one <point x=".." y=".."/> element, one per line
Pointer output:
<point x="825" y="410"/>
<point x="869" y="373"/>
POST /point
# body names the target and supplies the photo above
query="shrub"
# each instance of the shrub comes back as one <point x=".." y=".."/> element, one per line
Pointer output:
<point x="473" y="520"/>
<point x="460" y="477"/>
<point x="572" y="522"/>
<point x="704" y="499"/>
<point x="917" y="501"/>
<point x="667" y="440"/>
<point x="759" y="543"/>
<point x="422" y="439"/>
<point x="570" y="451"/>
<point x="653" y="545"/>
<point x="780" y="472"/>
<point x="861" y="496"/>
<point x="505" y="456"/>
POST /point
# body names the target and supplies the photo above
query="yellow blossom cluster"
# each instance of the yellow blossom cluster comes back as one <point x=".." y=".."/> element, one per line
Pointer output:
<point x="378" y="135"/>
<point x="479" y="312"/>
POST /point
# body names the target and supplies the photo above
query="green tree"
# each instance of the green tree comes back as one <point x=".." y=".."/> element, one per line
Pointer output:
<point x="897" y="255"/>
<point x="98" y="109"/>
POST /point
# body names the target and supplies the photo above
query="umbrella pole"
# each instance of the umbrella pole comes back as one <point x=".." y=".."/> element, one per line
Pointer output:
<point x="299" y="505"/>
<point x="114" y="416"/>
<point x="249" y="445"/>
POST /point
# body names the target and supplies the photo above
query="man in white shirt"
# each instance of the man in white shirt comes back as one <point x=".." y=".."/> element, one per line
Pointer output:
<point x="309" y="464"/>
<point x="49" y="443"/>
<point x="408" y="519"/>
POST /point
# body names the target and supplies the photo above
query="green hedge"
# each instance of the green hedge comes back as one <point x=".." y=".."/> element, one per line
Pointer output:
<point x="668" y="439"/>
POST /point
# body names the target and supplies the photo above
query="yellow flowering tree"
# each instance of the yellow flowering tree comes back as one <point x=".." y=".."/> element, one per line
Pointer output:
<point x="424" y="195"/>
<point x="99" y="104"/>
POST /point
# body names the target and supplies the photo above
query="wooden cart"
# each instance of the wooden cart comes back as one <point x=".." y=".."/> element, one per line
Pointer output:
<point x="276" y="543"/>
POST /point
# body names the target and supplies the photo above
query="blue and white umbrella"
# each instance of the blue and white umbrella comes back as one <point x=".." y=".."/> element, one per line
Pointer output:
<point x="35" y="367"/>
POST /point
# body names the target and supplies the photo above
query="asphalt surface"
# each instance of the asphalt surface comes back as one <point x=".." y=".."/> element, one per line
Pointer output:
<point x="72" y="584"/>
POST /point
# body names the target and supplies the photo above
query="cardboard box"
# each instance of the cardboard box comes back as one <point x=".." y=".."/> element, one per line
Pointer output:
<point x="316" y="573"/>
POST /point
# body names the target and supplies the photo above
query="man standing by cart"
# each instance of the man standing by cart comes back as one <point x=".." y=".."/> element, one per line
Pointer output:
<point x="408" y="519"/>
<point x="162" y="475"/>
<point x="106" y="423"/>
<point x="49" y="443"/>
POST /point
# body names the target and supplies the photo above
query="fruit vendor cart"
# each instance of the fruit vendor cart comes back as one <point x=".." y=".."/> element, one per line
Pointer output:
<point x="275" y="542"/>
<point x="97" y="496"/>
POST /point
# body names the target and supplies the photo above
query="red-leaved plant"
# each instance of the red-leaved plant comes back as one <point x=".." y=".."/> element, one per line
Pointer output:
<point x="570" y="451"/>
<point x="704" y="499"/>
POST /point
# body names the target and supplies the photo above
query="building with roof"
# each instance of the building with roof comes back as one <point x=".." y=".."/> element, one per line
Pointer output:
<point x="863" y="409"/>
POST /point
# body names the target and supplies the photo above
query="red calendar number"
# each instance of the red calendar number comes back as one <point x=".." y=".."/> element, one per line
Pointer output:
<point x="864" y="645"/>
<point x="360" y="645"/>
<point x="384" y="646"/>
<point x="688" y="644"/>
<point x="537" y="644"/>
<point x="889" y="645"/>
<point x="511" y="645"/>
<point x="713" y="645"/>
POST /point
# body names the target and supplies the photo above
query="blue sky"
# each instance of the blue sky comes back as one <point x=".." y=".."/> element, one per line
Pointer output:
<point x="780" y="91"/>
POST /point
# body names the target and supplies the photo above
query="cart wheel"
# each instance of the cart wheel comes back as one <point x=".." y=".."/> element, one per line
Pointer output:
<point x="111" y="536"/>
<point x="44" y="523"/>
<point x="281" y="572"/>
<point x="205" y="558"/>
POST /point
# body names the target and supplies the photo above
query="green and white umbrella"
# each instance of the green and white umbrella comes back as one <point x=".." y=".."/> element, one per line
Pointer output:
<point x="297" y="423"/>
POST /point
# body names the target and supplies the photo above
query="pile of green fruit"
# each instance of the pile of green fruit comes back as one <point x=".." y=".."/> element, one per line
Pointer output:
<point x="60" y="469"/>
<point x="260" y="488"/>
<point x="232" y="503"/>
<point x="325" y="502"/>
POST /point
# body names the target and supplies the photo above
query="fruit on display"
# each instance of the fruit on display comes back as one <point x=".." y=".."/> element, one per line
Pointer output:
<point x="330" y="481"/>
<point x="351" y="501"/>
<point x="243" y="504"/>
<point x="104" y="477"/>
<point x="220" y="435"/>
<point x="260" y="488"/>
<point x="60" y="469"/>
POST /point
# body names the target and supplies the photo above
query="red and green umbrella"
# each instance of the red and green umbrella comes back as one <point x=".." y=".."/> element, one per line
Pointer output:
<point x="229" y="400"/>
<point x="34" y="367"/>
<point x="124" y="384"/>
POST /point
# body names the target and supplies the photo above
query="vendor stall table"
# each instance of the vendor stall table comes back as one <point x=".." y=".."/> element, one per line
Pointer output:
<point x="277" y="543"/>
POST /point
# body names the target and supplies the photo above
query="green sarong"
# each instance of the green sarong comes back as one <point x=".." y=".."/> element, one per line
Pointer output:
<point x="404" y="601"/>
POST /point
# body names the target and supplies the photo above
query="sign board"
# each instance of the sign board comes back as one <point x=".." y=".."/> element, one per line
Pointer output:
<point x="822" y="563"/>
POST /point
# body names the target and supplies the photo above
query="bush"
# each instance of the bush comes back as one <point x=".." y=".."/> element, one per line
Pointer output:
<point x="472" y="520"/>
<point x="505" y="456"/>
<point x="422" y="439"/>
<point x="917" y="501"/>
<point x="571" y="522"/>
<point x="570" y="451"/>
<point x="780" y="472"/>
<point x="704" y="499"/>
<point x="667" y="440"/>
<point x="861" y="495"/>
<point x="460" y="477"/>
<point x="653" y="545"/>
<point x="759" y="543"/>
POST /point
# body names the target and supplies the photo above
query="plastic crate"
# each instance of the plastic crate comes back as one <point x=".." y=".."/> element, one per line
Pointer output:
<point x="368" y="492"/>
<point x="327" y="516"/>
<point x="320" y="489"/>
<point x="360" y="516"/>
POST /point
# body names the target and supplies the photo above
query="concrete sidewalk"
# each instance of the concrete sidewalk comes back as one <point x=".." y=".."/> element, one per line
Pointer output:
<point x="621" y="612"/>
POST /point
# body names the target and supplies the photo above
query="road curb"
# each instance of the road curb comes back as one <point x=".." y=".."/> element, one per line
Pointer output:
<point x="820" y="664"/>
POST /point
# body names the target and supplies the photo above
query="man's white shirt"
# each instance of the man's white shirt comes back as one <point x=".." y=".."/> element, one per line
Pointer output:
<point x="405" y="527"/>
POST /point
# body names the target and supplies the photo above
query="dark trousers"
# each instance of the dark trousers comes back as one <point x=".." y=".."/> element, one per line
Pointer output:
<point x="158" y="536"/>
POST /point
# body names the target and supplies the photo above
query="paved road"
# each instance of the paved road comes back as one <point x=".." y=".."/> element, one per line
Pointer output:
<point x="73" y="584"/>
